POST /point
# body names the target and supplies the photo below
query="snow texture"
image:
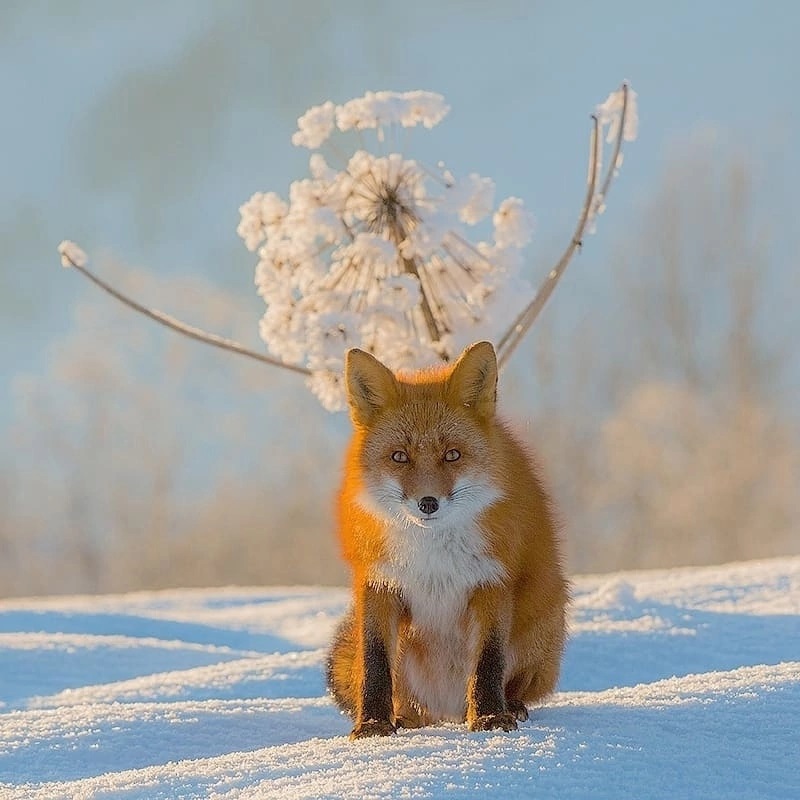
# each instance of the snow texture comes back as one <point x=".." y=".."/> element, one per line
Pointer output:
<point x="676" y="683"/>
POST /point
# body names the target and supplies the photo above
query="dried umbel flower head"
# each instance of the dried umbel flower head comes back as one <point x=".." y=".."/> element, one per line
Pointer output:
<point x="374" y="252"/>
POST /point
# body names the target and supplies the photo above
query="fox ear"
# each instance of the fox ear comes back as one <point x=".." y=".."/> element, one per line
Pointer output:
<point x="473" y="381"/>
<point x="370" y="385"/>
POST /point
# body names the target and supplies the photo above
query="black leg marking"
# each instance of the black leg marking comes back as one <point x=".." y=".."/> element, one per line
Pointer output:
<point x="376" y="698"/>
<point x="488" y="699"/>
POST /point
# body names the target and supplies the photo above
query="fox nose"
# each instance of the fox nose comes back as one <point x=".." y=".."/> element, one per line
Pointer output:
<point x="428" y="505"/>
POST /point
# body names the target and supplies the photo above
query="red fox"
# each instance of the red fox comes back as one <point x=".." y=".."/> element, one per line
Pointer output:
<point x="458" y="594"/>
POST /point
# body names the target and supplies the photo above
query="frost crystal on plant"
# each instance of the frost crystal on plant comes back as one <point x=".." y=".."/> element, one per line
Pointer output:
<point x="315" y="126"/>
<point x="71" y="254"/>
<point x="374" y="251"/>
<point x="609" y="114"/>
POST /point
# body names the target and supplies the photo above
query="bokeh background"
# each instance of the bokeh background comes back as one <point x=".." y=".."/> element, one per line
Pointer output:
<point x="659" y="388"/>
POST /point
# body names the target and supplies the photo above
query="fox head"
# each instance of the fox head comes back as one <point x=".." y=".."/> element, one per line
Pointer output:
<point x="425" y="447"/>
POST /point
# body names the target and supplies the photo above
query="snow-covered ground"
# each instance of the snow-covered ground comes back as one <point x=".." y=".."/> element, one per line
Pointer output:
<point x="676" y="683"/>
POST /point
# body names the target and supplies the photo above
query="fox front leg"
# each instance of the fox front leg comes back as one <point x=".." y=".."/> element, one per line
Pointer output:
<point x="486" y="702"/>
<point x="487" y="708"/>
<point x="375" y="708"/>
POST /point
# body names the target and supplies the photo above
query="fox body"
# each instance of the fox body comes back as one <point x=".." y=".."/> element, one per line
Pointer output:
<point x="459" y="597"/>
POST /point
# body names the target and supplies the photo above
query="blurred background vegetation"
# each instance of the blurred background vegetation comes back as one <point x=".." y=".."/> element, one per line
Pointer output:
<point x="659" y="389"/>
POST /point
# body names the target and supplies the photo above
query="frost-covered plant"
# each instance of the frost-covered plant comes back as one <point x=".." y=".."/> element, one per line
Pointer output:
<point x="377" y="250"/>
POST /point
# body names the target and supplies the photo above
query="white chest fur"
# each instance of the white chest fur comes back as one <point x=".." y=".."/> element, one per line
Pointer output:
<point x="435" y="569"/>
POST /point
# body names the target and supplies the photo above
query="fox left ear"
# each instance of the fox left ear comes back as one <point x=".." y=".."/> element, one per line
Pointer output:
<point x="473" y="381"/>
<point x="371" y="386"/>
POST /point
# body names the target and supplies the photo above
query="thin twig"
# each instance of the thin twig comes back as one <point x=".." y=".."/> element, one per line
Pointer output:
<point x="431" y="323"/>
<point x="512" y="337"/>
<point x="187" y="330"/>
<point x="525" y="319"/>
<point x="612" y="164"/>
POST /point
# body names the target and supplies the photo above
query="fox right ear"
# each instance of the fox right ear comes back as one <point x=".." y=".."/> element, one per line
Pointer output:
<point x="370" y="385"/>
<point x="473" y="381"/>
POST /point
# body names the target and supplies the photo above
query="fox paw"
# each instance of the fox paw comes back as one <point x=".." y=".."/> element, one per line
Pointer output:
<point x="372" y="727"/>
<point x="518" y="709"/>
<point x="490" y="722"/>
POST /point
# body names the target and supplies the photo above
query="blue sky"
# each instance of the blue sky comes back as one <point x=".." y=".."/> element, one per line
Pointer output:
<point x="139" y="131"/>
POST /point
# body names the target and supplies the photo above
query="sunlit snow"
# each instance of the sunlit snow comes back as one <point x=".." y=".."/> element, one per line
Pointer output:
<point x="676" y="683"/>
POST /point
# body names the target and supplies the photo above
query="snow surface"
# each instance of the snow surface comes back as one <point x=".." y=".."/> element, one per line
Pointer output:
<point x="676" y="683"/>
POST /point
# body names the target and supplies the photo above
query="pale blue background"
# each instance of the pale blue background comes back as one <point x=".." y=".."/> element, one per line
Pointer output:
<point x="137" y="129"/>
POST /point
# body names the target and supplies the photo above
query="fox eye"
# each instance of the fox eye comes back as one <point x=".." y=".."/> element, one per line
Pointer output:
<point x="452" y="455"/>
<point x="400" y="456"/>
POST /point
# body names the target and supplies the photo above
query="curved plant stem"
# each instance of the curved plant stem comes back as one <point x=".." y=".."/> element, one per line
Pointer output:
<point x="525" y="319"/>
<point x="187" y="330"/>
